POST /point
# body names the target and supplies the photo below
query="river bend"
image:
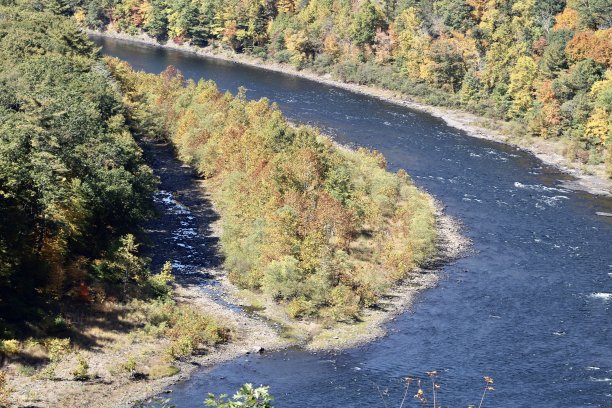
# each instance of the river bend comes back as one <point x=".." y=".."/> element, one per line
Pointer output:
<point x="529" y="307"/>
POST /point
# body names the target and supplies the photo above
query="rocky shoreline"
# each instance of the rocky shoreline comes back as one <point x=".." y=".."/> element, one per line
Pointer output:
<point x="591" y="179"/>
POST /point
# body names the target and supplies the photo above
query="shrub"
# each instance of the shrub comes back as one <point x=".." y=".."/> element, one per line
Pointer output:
<point x="344" y="303"/>
<point x="301" y="307"/>
<point x="9" y="347"/>
<point x="189" y="322"/>
<point x="160" y="284"/>
<point x="183" y="346"/>
<point x="56" y="348"/>
<point x="130" y="364"/>
<point x="186" y="327"/>
<point x="283" y="279"/>
<point x="283" y="56"/>
<point x="81" y="371"/>
<point x="260" y="52"/>
<point x="123" y="264"/>
<point x="322" y="63"/>
<point x="26" y="370"/>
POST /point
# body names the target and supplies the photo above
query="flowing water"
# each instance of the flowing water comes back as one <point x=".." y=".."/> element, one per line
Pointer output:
<point x="529" y="307"/>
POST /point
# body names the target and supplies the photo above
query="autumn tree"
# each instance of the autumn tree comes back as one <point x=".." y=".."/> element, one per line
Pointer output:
<point x="366" y="21"/>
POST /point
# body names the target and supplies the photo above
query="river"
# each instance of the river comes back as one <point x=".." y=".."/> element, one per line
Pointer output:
<point x="530" y="306"/>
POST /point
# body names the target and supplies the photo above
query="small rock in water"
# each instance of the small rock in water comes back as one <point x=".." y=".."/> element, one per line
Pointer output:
<point x="259" y="350"/>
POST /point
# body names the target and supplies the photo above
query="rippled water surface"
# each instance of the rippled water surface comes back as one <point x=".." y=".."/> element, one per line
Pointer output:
<point x="531" y="307"/>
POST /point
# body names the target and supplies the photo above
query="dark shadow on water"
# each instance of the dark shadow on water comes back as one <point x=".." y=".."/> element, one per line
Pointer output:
<point x="182" y="232"/>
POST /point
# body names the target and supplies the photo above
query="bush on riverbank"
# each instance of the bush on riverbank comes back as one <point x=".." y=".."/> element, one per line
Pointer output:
<point x="187" y="328"/>
<point x="321" y="229"/>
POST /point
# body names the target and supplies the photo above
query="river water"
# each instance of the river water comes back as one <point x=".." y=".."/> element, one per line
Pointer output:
<point x="530" y="307"/>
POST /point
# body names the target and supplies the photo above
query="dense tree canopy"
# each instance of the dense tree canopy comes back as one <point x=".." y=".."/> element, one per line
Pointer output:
<point x="511" y="59"/>
<point x="72" y="179"/>
<point x="320" y="229"/>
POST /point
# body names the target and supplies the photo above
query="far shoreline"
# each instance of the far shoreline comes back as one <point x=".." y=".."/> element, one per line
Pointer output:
<point x="473" y="125"/>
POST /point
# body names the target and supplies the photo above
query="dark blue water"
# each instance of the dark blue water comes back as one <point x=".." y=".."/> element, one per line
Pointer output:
<point x="530" y="307"/>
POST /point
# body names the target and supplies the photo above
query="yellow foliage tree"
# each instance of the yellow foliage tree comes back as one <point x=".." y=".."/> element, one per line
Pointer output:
<point x="413" y="45"/>
<point x="286" y="6"/>
<point x="568" y="19"/>
<point x="599" y="126"/>
<point x="521" y="85"/>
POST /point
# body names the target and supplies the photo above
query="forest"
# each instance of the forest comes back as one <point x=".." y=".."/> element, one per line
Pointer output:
<point x="321" y="229"/>
<point x="74" y="186"/>
<point x="543" y="65"/>
<point x="75" y="193"/>
<point x="78" y="300"/>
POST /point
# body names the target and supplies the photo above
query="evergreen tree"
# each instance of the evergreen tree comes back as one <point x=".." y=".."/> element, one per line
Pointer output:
<point x="156" y="23"/>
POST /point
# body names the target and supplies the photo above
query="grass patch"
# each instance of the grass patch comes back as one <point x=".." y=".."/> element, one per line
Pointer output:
<point x="188" y="329"/>
<point x="163" y="371"/>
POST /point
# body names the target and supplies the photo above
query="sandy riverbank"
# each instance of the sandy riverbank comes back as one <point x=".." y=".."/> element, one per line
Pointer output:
<point x="590" y="178"/>
<point x="115" y="342"/>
